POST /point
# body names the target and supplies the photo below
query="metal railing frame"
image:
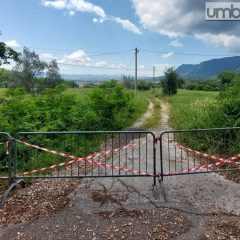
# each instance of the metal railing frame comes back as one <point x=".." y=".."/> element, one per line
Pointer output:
<point x="162" y="175"/>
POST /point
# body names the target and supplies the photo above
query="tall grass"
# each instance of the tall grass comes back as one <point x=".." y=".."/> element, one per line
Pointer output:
<point x="189" y="109"/>
<point x="3" y="92"/>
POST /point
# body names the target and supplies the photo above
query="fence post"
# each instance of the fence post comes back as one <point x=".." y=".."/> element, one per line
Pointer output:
<point x="9" y="156"/>
<point x="154" y="161"/>
<point x="161" y="156"/>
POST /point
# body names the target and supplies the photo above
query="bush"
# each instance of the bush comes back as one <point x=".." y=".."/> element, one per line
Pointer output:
<point x="169" y="83"/>
<point x="112" y="104"/>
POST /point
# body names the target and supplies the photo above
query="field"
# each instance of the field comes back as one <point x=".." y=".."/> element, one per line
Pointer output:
<point x="2" y="92"/>
<point x="187" y="107"/>
<point x="141" y="100"/>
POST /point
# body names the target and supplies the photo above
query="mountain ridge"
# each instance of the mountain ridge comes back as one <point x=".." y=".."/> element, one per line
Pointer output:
<point x="210" y="68"/>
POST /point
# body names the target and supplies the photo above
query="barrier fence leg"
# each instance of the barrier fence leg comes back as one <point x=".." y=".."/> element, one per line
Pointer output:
<point x="155" y="190"/>
<point x="12" y="161"/>
<point x="161" y="159"/>
<point x="161" y="173"/>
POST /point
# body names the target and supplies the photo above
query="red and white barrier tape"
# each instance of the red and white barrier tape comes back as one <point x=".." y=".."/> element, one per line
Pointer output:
<point x="100" y="154"/>
<point x="206" y="155"/>
<point x="209" y="156"/>
<point x="3" y="177"/>
<point x="78" y="159"/>
<point x="230" y="160"/>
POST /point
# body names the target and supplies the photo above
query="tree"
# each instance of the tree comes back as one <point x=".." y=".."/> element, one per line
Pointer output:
<point x="180" y="82"/>
<point x="128" y="82"/>
<point x="169" y="83"/>
<point x="53" y="76"/>
<point x="7" y="53"/>
<point x="5" y="75"/>
<point x="27" y="71"/>
<point x="226" y="77"/>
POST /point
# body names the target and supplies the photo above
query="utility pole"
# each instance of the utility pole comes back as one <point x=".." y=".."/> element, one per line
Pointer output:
<point x="136" y="68"/>
<point x="154" y="77"/>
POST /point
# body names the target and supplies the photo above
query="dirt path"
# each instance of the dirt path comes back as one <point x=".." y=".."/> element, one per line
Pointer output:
<point x="205" y="206"/>
<point x="165" y="110"/>
<point x="144" y="118"/>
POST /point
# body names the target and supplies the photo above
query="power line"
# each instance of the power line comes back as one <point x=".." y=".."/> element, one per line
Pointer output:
<point x="186" y="54"/>
<point x="97" y="67"/>
<point x="93" y="54"/>
<point x="129" y="51"/>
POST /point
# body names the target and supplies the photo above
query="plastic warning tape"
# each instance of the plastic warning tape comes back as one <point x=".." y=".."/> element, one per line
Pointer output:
<point x="78" y="159"/>
<point x="209" y="156"/>
<point x="230" y="160"/>
<point x="89" y="160"/>
<point x="3" y="177"/>
<point x="206" y="155"/>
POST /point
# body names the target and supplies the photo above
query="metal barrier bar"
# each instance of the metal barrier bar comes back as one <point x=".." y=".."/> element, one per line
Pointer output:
<point x="199" y="151"/>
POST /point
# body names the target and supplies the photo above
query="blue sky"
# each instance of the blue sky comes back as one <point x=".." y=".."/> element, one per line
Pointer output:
<point x="78" y="33"/>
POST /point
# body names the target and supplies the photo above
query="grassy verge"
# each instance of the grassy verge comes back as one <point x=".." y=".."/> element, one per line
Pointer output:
<point x="140" y="103"/>
<point x="195" y="109"/>
<point x="2" y="92"/>
<point x="187" y="107"/>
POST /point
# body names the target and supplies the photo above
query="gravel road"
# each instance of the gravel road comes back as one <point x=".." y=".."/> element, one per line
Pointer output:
<point x="126" y="208"/>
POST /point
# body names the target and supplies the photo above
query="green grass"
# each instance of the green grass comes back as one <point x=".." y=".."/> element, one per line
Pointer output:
<point x="154" y="120"/>
<point x="141" y="101"/>
<point x="3" y="92"/>
<point x="187" y="107"/>
<point x="80" y="93"/>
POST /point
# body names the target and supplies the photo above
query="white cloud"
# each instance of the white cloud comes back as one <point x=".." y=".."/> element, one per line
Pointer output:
<point x="47" y="57"/>
<point x="73" y="6"/>
<point x="176" y="43"/>
<point x="100" y="64"/>
<point x="96" y="20"/>
<point x="72" y="13"/>
<point x="179" y="18"/>
<point x="12" y="44"/>
<point x="126" y="24"/>
<point x="166" y="17"/>
<point x="76" y="5"/>
<point x="59" y="4"/>
<point x="162" y="66"/>
<point x="230" y="42"/>
<point x="167" y="55"/>
<point x="121" y="65"/>
<point x="77" y="56"/>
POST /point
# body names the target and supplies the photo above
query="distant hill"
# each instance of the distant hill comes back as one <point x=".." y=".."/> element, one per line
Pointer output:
<point x="209" y="69"/>
<point x="89" y="77"/>
<point x="97" y="77"/>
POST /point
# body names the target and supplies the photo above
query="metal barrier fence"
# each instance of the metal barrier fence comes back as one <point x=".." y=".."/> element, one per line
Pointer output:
<point x="84" y="155"/>
<point x="118" y="154"/>
<point x="199" y="151"/>
<point x="5" y="155"/>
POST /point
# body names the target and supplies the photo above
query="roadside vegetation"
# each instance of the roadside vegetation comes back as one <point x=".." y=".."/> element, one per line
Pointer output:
<point x="200" y="110"/>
